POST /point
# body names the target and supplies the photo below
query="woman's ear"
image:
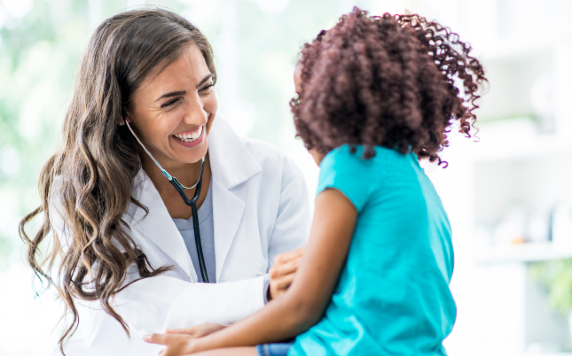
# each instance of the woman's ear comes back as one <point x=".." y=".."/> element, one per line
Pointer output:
<point x="123" y="120"/>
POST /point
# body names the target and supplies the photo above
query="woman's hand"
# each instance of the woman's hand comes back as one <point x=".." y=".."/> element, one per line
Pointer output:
<point x="198" y="330"/>
<point x="283" y="272"/>
<point x="182" y="341"/>
<point x="177" y="344"/>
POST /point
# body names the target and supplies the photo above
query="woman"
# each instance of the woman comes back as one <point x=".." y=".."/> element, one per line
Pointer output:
<point x="120" y="234"/>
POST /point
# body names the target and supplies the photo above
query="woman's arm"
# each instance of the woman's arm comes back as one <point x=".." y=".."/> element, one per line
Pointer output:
<point x="290" y="230"/>
<point x="292" y="224"/>
<point x="167" y="302"/>
<point x="304" y="303"/>
<point x="223" y="303"/>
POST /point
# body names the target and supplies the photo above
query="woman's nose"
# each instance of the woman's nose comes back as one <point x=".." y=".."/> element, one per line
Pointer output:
<point x="195" y="114"/>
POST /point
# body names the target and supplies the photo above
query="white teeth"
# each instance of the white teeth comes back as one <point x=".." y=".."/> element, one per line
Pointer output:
<point x="190" y="137"/>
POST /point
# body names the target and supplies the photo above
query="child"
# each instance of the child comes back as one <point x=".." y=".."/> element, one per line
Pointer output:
<point x="375" y="95"/>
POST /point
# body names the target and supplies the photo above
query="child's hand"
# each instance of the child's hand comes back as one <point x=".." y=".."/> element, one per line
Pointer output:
<point x="198" y="330"/>
<point x="177" y="344"/>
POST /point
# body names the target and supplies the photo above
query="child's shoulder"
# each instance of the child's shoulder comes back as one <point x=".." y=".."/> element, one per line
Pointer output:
<point x="362" y="179"/>
<point x="343" y="158"/>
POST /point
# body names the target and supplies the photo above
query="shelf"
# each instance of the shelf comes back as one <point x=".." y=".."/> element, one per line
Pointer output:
<point x="525" y="143"/>
<point x="529" y="252"/>
<point x="517" y="49"/>
<point x="522" y="149"/>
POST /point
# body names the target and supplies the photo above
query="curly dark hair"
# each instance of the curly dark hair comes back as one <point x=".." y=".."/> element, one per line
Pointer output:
<point x="385" y="81"/>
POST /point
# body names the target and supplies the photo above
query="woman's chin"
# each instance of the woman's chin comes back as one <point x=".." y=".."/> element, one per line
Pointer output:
<point x="190" y="155"/>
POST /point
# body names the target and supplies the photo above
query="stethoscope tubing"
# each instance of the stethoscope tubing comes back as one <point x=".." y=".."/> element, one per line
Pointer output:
<point x="193" y="204"/>
<point x="190" y="202"/>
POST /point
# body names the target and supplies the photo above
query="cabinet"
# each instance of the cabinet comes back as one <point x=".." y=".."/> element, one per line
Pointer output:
<point x="520" y="170"/>
<point x="502" y="195"/>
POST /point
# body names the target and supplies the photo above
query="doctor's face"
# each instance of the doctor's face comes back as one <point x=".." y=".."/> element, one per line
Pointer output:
<point x="174" y="109"/>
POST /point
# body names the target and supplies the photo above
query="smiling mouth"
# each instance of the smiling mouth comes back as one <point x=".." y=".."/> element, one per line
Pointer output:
<point x="189" y="137"/>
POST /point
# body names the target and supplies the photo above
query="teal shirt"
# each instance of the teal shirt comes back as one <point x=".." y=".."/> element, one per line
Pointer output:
<point x="393" y="295"/>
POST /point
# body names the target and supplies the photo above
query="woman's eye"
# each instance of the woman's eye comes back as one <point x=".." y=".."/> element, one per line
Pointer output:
<point x="208" y="86"/>
<point x="169" y="103"/>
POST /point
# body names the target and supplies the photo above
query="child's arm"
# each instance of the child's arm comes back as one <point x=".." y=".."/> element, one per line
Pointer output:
<point x="304" y="303"/>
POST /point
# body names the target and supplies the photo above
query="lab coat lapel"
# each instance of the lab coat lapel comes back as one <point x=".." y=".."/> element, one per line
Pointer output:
<point x="231" y="165"/>
<point x="158" y="226"/>
<point x="227" y="214"/>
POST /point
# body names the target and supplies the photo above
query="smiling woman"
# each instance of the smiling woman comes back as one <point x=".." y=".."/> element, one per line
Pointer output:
<point x="173" y="112"/>
<point x="118" y="232"/>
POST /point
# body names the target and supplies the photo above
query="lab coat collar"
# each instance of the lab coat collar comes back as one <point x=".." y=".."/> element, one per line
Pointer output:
<point x="157" y="225"/>
<point x="231" y="162"/>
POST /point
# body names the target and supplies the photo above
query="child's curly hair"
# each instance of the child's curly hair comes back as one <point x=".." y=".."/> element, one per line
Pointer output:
<point x="385" y="81"/>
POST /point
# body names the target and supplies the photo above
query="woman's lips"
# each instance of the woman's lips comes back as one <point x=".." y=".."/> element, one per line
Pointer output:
<point x="189" y="138"/>
<point x="189" y="135"/>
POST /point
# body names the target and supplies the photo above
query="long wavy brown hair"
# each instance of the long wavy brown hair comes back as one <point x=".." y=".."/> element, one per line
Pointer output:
<point x="386" y="81"/>
<point x="87" y="184"/>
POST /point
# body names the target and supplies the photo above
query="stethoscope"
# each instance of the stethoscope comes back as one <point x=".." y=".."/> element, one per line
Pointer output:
<point x="190" y="202"/>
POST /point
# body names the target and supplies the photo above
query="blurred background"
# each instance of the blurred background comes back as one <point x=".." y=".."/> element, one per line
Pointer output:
<point x="509" y="195"/>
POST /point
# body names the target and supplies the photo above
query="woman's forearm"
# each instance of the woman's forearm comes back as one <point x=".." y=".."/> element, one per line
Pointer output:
<point x="221" y="303"/>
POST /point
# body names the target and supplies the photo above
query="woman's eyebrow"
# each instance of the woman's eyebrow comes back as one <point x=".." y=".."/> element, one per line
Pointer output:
<point x="209" y="76"/>
<point x="175" y="93"/>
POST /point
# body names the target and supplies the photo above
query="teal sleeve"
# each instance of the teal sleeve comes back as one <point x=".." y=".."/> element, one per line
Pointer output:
<point x="348" y="173"/>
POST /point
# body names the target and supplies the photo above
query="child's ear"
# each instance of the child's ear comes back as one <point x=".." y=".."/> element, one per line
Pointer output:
<point x="298" y="77"/>
<point x="318" y="157"/>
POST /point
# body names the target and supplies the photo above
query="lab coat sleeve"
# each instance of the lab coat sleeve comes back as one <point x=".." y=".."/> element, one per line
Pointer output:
<point x="293" y="219"/>
<point x="171" y="300"/>
<point x="165" y="302"/>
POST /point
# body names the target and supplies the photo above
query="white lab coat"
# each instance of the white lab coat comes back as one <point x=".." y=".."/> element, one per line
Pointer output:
<point x="260" y="207"/>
